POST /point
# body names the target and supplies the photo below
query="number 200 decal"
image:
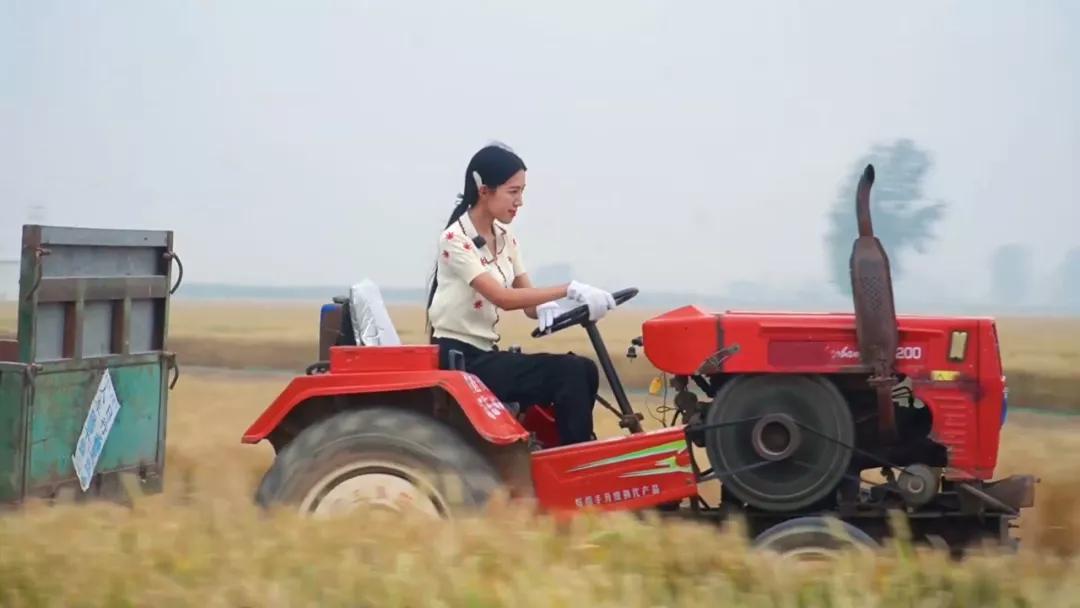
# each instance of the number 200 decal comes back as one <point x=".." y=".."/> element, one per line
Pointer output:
<point x="909" y="352"/>
<point x="903" y="353"/>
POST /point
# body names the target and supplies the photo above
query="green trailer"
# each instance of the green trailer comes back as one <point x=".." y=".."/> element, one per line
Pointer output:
<point x="84" y="387"/>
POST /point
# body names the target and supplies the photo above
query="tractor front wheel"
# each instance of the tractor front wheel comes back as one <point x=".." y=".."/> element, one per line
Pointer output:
<point x="813" y="540"/>
<point x="384" y="458"/>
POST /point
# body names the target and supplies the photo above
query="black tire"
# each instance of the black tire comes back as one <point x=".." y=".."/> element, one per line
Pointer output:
<point x="383" y="444"/>
<point x="790" y="481"/>
<point x="813" y="538"/>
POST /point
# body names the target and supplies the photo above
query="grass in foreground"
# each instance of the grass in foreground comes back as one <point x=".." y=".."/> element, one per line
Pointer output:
<point x="202" y="542"/>
<point x="216" y="554"/>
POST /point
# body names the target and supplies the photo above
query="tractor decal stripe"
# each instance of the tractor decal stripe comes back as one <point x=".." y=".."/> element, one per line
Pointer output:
<point x="673" y="446"/>
<point x="667" y="465"/>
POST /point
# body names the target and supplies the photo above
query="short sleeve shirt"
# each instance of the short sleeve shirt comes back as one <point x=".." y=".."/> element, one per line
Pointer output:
<point x="458" y="311"/>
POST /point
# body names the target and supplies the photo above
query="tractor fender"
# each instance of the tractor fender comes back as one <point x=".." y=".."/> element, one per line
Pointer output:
<point x="487" y="414"/>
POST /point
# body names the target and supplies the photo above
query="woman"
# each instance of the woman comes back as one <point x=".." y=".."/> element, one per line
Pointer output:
<point x="480" y="272"/>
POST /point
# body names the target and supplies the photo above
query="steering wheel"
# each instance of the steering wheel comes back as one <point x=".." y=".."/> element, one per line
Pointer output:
<point x="580" y="315"/>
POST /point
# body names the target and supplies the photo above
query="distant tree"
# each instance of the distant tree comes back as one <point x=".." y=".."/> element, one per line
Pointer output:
<point x="902" y="219"/>
<point x="1010" y="275"/>
<point x="1070" y="279"/>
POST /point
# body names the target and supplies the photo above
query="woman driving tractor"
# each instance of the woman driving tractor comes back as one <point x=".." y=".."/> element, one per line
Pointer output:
<point x="480" y="272"/>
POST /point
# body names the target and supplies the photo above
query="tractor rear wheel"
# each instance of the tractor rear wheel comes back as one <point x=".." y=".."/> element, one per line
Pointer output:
<point x="813" y="540"/>
<point x="385" y="458"/>
<point x="779" y="443"/>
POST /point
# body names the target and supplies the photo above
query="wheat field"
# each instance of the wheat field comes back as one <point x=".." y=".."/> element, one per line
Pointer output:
<point x="284" y="335"/>
<point x="1041" y="355"/>
<point x="203" y="543"/>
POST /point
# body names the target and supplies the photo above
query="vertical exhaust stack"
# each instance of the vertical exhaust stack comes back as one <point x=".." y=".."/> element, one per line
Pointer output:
<point x="875" y="312"/>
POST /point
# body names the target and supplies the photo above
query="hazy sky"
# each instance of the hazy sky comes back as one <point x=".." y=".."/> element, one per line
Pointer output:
<point x="670" y="144"/>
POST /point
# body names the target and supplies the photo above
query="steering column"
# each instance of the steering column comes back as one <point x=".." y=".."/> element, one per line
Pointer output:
<point x="629" y="419"/>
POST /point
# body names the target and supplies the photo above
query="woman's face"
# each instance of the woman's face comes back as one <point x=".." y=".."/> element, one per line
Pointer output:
<point x="503" y="202"/>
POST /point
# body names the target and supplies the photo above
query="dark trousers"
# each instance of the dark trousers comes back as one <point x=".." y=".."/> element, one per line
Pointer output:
<point x="569" y="382"/>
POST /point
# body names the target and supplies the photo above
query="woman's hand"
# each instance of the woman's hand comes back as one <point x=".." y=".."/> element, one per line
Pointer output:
<point x="598" y="300"/>
<point x="547" y="312"/>
<point x="522" y="296"/>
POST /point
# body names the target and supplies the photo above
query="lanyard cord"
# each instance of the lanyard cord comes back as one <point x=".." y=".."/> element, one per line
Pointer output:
<point x="484" y="261"/>
<point x="495" y="250"/>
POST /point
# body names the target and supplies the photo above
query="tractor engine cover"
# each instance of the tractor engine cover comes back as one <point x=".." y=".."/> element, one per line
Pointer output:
<point x="779" y="443"/>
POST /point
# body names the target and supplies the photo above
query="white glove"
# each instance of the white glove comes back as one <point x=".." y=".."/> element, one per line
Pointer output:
<point x="546" y="312"/>
<point x="598" y="300"/>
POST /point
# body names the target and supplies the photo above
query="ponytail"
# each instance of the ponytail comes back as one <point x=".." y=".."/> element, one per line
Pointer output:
<point x="459" y="210"/>
<point x="491" y="166"/>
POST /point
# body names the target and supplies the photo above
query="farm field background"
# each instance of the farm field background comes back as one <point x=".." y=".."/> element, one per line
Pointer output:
<point x="202" y="542"/>
<point x="1041" y="355"/>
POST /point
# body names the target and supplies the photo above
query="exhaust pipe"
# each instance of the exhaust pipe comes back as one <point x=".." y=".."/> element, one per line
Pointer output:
<point x="875" y="311"/>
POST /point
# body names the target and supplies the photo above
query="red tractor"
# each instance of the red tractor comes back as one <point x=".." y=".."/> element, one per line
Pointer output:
<point x="790" y="409"/>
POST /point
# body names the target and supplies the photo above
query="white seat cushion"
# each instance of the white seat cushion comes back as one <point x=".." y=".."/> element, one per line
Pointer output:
<point x="370" y="320"/>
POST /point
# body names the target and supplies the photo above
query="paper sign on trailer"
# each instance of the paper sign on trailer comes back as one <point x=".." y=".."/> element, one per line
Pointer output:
<point x="99" y="421"/>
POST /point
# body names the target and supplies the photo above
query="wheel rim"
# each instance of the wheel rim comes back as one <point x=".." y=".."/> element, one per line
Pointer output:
<point x="813" y="556"/>
<point x="810" y="560"/>
<point x="381" y="486"/>
<point x="810" y="555"/>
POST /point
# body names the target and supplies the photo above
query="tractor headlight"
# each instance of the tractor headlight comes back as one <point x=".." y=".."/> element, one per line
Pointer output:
<point x="958" y="345"/>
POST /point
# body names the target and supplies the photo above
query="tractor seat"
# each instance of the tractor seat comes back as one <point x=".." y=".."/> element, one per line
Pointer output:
<point x="370" y="320"/>
<point x="359" y="319"/>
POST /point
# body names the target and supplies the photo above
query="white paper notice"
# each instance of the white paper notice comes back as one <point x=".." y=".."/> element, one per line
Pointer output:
<point x="99" y="421"/>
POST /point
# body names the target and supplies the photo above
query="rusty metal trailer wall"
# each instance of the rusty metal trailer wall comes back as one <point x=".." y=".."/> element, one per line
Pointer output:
<point x="90" y="300"/>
